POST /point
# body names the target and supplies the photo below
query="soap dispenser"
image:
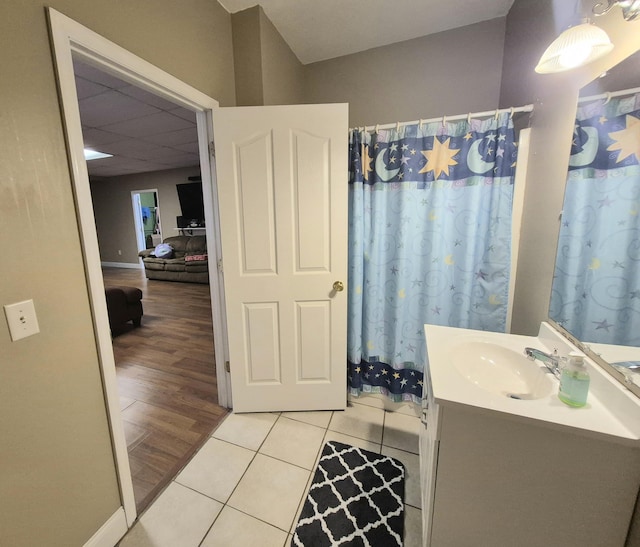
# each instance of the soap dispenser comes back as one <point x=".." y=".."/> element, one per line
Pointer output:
<point x="574" y="381"/>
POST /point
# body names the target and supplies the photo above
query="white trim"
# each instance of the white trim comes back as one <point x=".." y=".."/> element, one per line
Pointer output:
<point x="516" y="215"/>
<point x="70" y="37"/>
<point x="214" y="242"/>
<point x="111" y="532"/>
<point x="129" y="265"/>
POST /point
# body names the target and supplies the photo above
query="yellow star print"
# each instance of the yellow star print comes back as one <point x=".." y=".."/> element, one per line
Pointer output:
<point x="440" y="158"/>
<point x="627" y="140"/>
<point x="366" y="162"/>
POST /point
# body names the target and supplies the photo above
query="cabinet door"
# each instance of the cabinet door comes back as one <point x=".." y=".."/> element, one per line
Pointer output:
<point x="429" y="447"/>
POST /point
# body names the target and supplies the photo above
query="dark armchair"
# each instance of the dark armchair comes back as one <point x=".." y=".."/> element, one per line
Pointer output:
<point x="124" y="304"/>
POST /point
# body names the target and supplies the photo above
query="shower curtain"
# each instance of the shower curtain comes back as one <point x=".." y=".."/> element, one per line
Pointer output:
<point x="429" y="242"/>
<point x="596" y="288"/>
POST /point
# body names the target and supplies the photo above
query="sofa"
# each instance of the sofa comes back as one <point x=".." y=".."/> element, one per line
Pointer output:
<point x="187" y="262"/>
<point x="124" y="304"/>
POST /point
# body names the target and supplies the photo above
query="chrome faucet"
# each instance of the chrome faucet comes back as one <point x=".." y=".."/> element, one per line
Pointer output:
<point x="550" y="360"/>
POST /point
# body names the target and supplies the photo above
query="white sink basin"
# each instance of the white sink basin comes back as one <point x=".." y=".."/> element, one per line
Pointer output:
<point x="502" y="371"/>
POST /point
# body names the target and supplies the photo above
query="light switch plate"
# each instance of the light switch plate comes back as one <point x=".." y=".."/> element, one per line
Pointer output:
<point x="22" y="319"/>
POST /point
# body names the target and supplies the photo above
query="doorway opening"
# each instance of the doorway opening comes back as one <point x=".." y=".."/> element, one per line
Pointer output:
<point x="70" y="40"/>
<point x="165" y="362"/>
<point x="146" y="216"/>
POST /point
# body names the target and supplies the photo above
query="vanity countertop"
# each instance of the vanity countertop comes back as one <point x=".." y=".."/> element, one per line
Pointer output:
<point x="611" y="411"/>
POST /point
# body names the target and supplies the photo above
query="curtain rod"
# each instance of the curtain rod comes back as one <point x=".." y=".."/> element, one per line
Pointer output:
<point x="609" y="95"/>
<point x="444" y="119"/>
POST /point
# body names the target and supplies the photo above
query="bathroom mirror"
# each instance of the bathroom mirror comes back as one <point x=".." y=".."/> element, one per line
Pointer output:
<point x="595" y="296"/>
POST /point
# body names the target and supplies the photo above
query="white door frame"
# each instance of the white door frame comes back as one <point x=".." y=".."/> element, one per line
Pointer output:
<point x="69" y="37"/>
<point x="137" y="216"/>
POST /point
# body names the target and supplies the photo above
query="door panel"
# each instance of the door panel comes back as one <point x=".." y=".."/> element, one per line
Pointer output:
<point x="282" y="186"/>
<point x="255" y="203"/>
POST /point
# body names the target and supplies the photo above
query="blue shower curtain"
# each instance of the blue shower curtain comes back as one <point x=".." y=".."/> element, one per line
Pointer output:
<point x="429" y="242"/>
<point x="596" y="287"/>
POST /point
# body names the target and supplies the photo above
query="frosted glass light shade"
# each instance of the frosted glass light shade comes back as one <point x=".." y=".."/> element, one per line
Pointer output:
<point x="575" y="47"/>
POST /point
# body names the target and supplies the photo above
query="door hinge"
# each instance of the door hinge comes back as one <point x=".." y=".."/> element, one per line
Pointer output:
<point x="227" y="366"/>
<point x="220" y="270"/>
<point x="212" y="149"/>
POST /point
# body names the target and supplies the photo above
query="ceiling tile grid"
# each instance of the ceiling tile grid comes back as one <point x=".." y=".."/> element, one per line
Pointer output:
<point x="144" y="132"/>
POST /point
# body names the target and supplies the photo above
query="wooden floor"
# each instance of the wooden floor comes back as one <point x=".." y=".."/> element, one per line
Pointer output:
<point x="166" y="379"/>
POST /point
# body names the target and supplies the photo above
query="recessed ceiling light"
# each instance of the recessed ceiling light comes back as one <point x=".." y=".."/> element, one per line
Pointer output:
<point x="94" y="155"/>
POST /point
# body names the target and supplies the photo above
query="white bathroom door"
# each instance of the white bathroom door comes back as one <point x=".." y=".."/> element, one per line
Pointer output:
<point x="282" y="190"/>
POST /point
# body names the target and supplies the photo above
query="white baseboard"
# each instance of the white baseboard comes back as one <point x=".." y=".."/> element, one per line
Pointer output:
<point x="137" y="266"/>
<point x="111" y="532"/>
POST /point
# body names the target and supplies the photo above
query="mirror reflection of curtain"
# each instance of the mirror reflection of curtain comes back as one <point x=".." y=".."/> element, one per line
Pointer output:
<point x="429" y="242"/>
<point x="596" y="287"/>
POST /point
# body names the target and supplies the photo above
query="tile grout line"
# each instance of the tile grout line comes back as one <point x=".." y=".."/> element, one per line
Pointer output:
<point x="255" y="453"/>
<point x="326" y="429"/>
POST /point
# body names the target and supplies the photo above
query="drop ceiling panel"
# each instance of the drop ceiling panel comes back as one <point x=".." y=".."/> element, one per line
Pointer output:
<point x="94" y="138"/>
<point x="97" y="76"/>
<point x="112" y="106"/>
<point x="86" y="89"/>
<point x="153" y="100"/>
<point x="155" y="124"/>
<point x="139" y="128"/>
<point x="173" y="138"/>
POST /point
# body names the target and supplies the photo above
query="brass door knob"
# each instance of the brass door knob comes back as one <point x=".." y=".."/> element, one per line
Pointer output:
<point x="338" y="286"/>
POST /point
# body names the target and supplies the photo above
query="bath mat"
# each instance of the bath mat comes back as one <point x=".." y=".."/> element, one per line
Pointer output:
<point x="356" y="499"/>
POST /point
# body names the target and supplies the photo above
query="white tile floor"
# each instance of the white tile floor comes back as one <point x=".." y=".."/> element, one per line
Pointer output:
<point x="247" y="484"/>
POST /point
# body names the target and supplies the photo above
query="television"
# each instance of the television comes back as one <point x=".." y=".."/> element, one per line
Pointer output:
<point x="191" y="202"/>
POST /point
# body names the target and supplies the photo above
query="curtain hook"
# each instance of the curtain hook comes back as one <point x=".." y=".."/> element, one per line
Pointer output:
<point x="421" y="122"/>
<point x="377" y="127"/>
<point x="397" y="126"/>
<point x="511" y="113"/>
<point x="496" y="115"/>
<point x="469" y="118"/>
<point x="608" y="94"/>
<point x="444" y="120"/>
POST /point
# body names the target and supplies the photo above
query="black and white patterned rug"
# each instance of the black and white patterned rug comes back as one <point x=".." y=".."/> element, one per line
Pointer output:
<point x="356" y="499"/>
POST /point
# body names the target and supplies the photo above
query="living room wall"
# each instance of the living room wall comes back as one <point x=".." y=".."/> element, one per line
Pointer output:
<point x="58" y="480"/>
<point x="114" y="213"/>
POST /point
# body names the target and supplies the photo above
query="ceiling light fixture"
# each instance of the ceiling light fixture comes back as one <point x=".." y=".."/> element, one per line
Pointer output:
<point x="630" y="8"/>
<point x="95" y="155"/>
<point x="585" y="42"/>
<point x="575" y="47"/>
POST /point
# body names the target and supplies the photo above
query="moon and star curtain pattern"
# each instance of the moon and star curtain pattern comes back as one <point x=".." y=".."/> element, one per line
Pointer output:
<point x="596" y="286"/>
<point x="429" y="242"/>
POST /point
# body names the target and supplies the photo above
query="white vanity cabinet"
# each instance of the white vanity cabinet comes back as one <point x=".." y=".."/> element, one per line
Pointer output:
<point x="429" y="447"/>
<point x="491" y="477"/>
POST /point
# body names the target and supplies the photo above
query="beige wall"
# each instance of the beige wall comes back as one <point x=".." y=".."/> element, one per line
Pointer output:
<point x="282" y="72"/>
<point x="531" y="26"/>
<point x="451" y="72"/>
<point x="267" y="71"/>
<point x="247" y="57"/>
<point x="114" y="213"/>
<point x="57" y="475"/>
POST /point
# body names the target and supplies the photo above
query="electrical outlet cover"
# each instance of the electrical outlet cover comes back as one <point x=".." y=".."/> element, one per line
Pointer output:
<point x="22" y="319"/>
